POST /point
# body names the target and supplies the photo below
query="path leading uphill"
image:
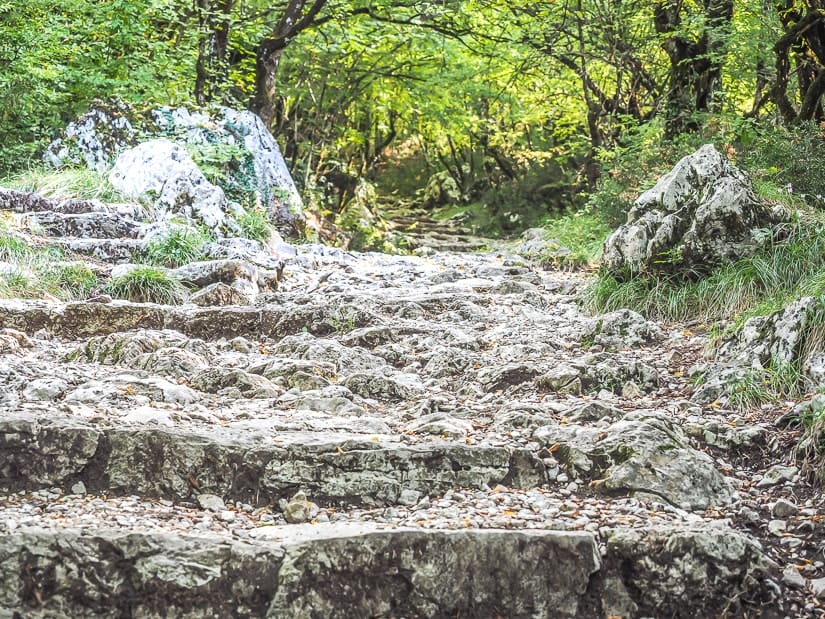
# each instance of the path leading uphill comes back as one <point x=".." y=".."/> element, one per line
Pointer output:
<point x="383" y="436"/>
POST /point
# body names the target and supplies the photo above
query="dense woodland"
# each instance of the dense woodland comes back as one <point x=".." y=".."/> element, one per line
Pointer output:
<point x="516" y="104"/>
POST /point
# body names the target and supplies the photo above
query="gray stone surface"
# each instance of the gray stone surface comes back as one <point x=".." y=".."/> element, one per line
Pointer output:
<point x="642" y="453"/>
<point x="38" y="452"/>
<point x="701" y="214"/>
<point x="346" y="571"/>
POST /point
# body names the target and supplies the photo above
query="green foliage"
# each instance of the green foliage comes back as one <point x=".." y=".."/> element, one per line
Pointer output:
<point x="582" y="233"/>
<point x="810" y="449"/>
<point x="79" y="183"/>
<point x="56" y="56"/>
<point x="180" y="245"/>
<point x="790" y="158"/>
<point x="147" y="284"/>
<point x="255" y="225"/>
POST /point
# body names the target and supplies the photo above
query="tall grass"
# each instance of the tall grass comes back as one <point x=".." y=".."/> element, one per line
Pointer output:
<point x="788" y="268"/>
<point x="79" y="183"/>
<point x="32" y="272"/>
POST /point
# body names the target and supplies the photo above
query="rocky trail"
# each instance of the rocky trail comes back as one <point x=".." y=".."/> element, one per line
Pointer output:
<point x="438" y="435"/>
<point x="382" y="436"/>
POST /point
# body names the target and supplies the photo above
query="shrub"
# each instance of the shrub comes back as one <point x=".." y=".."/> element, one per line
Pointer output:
<point x="147" y="284"/>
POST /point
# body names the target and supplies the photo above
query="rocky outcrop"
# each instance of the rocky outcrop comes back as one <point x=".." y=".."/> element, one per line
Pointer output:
<point x="163" y="174"/>
<point x="783" y="341"/>
<point x="641" y="453"/>
<point x="101" y="136"/>
<point x="702" y="214"/>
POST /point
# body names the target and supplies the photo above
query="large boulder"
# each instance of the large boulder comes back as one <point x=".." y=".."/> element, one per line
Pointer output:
<point x="701" y="214"/>
<point x="256" y="174"/>
<point x="162" y="172"/>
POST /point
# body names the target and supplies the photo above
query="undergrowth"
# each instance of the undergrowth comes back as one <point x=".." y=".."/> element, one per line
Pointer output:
<point x="31" y="272"/>
<point x="255" y="225"/>
<point x="79" y="183"/>
<point x="179" y="246"/>
<point x="582" y="234"/>
<point x="785" y="270"/>
<point x="147" y="284"/>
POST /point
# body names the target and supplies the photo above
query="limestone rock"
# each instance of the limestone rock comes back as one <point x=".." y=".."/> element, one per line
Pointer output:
<point x="94" y="138"/>
<point x="98" y="137"/>
<point x="405" y="573"/>
<point x="211" y="502"/>
<point x="641" y="453"/>
<point x="241" y="275"/>
<point x="621" y="329"/>
<point x="219" y="294"/>
<point x="163" y="174"/>
<point x="701" y="214"/>
<point x="792" y="578"/>
<point x="84" y="225"/>
<point x="214" y="380"/>
<point x="642" y="573"/>
<point x="298" y="509"/>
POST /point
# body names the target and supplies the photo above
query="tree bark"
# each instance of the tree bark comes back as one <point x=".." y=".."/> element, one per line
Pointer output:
<point x="804" y="42"/>
<point x="212" y="69"/>
<point x="297" y="16"/>
<point x="695" y="65"/>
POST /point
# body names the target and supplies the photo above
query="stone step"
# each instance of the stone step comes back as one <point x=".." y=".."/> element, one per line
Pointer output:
<point x="334" y="570"/>
<point x="444" y="242"/>
<point x="25" y="202"/>
<point x="113" y="251"/>
<point x="96" y="225"/>
<point x="78" y="320"/>
<point x="258" y="468"/>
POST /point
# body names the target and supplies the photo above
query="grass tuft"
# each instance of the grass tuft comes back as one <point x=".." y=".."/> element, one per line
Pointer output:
<point x="255" y="225"/>
<point x="582" y="233"/>
<point x="181" y="245"/>
<point x="147" y="284"/>
<point x="79" y="183"/>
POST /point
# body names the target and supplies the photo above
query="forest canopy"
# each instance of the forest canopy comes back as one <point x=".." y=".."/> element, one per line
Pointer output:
<point x="548" y="99"/>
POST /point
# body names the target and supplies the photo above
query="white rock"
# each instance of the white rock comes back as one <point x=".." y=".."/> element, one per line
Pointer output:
<point x="818" y="587"/>
<point x="211" y="502"/>
<point x="162" y="173"/>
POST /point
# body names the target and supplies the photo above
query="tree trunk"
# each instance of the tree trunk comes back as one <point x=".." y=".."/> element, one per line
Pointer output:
<point x="804" y="42"/>
<point x="298" y="15"/>
<point x="212" y="69"/>
<point x="695" y="66"/>
<point x="267" y="61"/>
